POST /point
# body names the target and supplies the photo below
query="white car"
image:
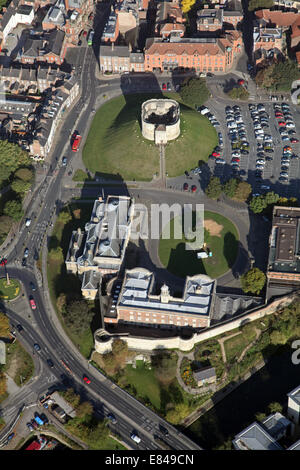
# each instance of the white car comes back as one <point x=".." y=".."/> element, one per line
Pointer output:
<point x="264" y="186"/>
<point x="260" y="161"/>
<point x="28" y="222"/>
<point x="290" y="125"/>
<point x="135" y="438"/>
<point x="236" y="154"/>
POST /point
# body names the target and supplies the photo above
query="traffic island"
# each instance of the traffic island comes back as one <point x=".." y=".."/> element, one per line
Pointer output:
<point x="9" y="290"/>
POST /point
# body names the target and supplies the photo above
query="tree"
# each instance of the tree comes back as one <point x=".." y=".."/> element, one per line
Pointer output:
<point x="11" y="158"/>
<point x="278" y="337"/>
<point x="78" y="316"/>
<point x="258" y="204"/>
<point x="275" y="407"/>
<point x="253" y="281"/>
<point x="271" y="198"/>
<point x="238" y="93"/>
<point x="20" y="186"/>
<point x="214" y="188"/>
<point x="56" y="253"/>
<point x="5" y="225"/>
<point x="260" y="416"/>
<point x="194" y="91"/>
<point x="177" y="414"/>
<point x="24" y="174"/>
<point x="14" y="210"/>
<point x="243" y="191"/>
<point x="84" y="409"/>
<point x="230" y="186"/>
<point x="64" y="216"/>
<point x="186" y="5"/>
<point x="259" y="4"/>
<point x="278" y="76"/>
<point x="165" y="367"/>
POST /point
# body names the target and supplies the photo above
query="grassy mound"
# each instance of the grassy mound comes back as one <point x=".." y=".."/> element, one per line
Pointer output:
<point x="115" y="146"/>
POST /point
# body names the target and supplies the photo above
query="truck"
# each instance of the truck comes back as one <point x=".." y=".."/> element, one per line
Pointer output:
<point x="76" y="142"/>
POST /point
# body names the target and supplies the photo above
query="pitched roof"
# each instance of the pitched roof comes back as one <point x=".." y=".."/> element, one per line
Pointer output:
<point x="216" y="47"/>
<point x="278" y="18"/>
<point x="205" y="373"/>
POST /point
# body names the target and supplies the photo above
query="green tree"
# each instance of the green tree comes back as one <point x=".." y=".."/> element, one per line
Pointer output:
<point x="165" y="366"/>
<point x="260" y="416"/>
<point x="271" y="198"/>
<point x="84" y="409"/>
<point x="278" y="76"/>
<point x="5" y="225"/>
<point x="275" y="407"/>
<point x="14" y="210"/>
<point x="238" y="93"/>
<point x="214" y="188"/>
<point x="230" y="186"/>
<point x="56" y="253"/>
<point x="258" y="204"/>
<point x="194" y="91"/>
<point x="253" y="281"/>
<point x="64" y="216"/>
<point x="20" y="186"/>
<point x="11" y="158"/>
<point x="78" y="316"/>
<point x="278" y="337"/>
<point x="24" y="174"/>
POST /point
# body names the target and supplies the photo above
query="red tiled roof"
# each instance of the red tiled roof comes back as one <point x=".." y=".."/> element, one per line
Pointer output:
<point x="162" y="48"/>
<point x="298" y="57"/>
<point x="279" y="18"/>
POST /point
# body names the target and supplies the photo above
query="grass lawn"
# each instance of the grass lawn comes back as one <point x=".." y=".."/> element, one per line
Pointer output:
<point x="235" y="346"/>
<point x="145" y="383"/>
<point x="115" y="146"/>
<point x="182" y="262"/>
<point x="11" y="291"/>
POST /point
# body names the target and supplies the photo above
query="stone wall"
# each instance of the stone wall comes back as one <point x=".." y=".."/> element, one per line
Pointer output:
<point x="176" y="342"/>
<point x="160" y="107"/>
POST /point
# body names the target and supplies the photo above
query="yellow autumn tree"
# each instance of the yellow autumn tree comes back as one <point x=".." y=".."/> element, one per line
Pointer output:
<point x="4" y="326"/>
<point x="186" y="5"/>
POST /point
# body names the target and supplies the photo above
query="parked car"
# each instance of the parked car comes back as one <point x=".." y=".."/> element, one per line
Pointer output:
<point x="32" y="286"/>
<point x="86" y="379"/>
<point x="185" y="187"/>
<point x="164" y="86"/>
<point x="194" y="188"/>
<point x="169" y="87"/>
<point x="26" y="253"/>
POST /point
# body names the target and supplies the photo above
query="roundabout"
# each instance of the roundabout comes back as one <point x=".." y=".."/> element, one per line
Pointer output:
<point x="9" y="291"/>
<point x="220" y="249"/>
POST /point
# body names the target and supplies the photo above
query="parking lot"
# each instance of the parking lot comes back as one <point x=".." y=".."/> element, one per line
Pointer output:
<point x="269" y="158"/>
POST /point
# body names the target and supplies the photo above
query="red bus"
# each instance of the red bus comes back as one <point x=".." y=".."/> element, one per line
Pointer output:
<point x="76" y="142"/>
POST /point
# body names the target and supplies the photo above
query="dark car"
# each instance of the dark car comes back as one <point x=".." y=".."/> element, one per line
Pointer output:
<point x="169" y="87"/>
<point x="36" y="347"/>
<point x="50" y="363"/>
<point x="163" y="430"/>
<point x="44" y="418"/>
<point x="19" y="327"/>
<point x="24" y="262"/>
<point x="185" y="187"/>
<point x="112" y="418"/>
<point x="32" y="286"/>
<point x="79" y="42"/>
<point x="269" y="150"/>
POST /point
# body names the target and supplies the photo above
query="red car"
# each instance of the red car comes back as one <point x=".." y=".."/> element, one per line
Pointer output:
<point x="86" y="380"/>
<point x="241" y="81"/>
<point x="294" y="140"/>
<point x="287" y="147"/>
<point x="281" y="123"/>
<point x="185" y="187"/>
<point x="279" y="115"/>
<point x="216" y="154"/>
<point x="194" y="188"/>
<point x="164" y="86"/>
<point x="84" y="34"/>
<point x="32" y="303"/>
<point x="235" y="159"/>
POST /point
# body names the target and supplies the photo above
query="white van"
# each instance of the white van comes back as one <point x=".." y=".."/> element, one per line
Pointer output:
<point x="204" y="111"/>
<point x="135" y="438"/>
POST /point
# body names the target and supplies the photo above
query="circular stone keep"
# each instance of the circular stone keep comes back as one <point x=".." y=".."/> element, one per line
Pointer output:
<point x="160" y="120"/>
